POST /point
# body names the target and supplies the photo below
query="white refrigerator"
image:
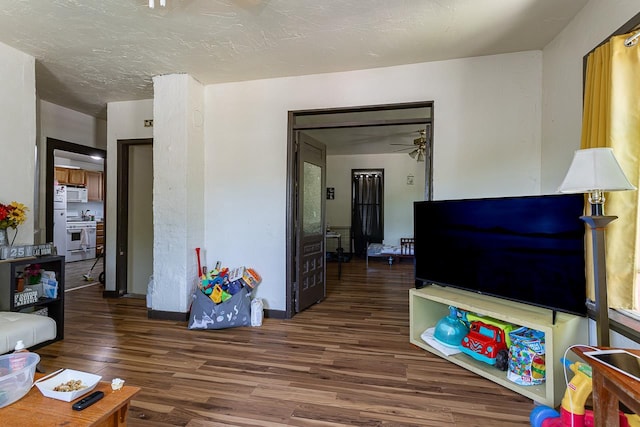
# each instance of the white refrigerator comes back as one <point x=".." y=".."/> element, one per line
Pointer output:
<point x="60" y="218"/>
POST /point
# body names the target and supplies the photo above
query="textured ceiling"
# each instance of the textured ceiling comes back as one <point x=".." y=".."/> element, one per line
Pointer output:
<point x="91" y="52"/>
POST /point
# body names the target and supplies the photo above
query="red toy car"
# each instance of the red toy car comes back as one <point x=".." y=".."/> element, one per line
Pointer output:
<point x="487" y="344"/>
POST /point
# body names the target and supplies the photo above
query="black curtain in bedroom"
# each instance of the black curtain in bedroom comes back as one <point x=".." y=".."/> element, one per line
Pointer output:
<point x="367" y="220"/>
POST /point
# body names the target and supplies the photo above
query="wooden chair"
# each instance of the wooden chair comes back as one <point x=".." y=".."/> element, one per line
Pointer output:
<point x="406" y="247"/>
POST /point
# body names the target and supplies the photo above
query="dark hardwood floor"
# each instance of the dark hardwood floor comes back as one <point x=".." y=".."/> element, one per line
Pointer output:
<point x="344" y="362"/>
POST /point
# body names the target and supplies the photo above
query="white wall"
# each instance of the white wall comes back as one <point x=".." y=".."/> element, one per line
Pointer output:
<point x="125" y="120"/>
<point x="486" y="136"/>
<point x="398" y="196"/>
<point x="71" y="126"/>
<point x="18" y="135"/>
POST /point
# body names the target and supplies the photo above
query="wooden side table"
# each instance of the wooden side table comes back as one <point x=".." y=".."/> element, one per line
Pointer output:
<point x="609" y="388"/>
<point x="35" y="409"/>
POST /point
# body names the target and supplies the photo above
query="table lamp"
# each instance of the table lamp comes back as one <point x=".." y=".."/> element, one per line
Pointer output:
<point x="595" y="171"/>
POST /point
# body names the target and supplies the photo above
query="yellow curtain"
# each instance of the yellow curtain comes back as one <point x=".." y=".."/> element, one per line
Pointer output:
<point x="611" y="118"/>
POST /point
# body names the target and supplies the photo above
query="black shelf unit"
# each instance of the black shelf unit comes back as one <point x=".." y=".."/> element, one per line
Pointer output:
<point x="9" y="272"/>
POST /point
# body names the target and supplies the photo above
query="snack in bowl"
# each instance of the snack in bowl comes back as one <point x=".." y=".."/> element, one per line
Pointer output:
<point x="76" y="384"/>
<point x="71" y="385"/>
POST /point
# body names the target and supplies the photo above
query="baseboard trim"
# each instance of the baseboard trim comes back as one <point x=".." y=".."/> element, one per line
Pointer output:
<point x="111" y="294"/>
<point x="167" y="315"/>
<point x="275" y="314"/>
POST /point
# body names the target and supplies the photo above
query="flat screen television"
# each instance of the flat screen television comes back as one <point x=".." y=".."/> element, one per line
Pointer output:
<point x="528" y="249"/>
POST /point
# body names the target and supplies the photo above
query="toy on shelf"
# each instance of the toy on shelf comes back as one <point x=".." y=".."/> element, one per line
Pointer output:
<point x="486" y="343"/>
<point x="572" y="411"/>
<point x="450" y="330"/>
<point x="506" y="327"/>
<point x="527" y="357"/>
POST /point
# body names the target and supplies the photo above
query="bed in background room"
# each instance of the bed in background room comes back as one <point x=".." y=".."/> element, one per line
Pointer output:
<point x="391" y="252"/>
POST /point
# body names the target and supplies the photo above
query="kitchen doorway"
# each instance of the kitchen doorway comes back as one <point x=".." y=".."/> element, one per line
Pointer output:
<point x="81" y="212"/>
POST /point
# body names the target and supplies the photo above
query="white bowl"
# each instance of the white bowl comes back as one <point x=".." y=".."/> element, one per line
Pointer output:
<point x="89" y="380"/>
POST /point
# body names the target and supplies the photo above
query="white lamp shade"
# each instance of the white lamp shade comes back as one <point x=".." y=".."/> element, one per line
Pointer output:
<point x="595" y="169"/>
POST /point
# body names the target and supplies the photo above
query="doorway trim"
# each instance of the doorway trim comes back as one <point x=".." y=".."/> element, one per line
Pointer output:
<point x="57" y="144"/>
<point x="293" y="127"/>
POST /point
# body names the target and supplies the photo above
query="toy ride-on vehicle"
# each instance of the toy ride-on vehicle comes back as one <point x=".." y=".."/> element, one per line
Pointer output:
<point x="487" y="344"/>
<point x="572" y="409"/>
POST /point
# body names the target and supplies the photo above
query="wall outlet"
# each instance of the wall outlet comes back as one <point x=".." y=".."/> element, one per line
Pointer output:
<point x="148" y="123"/>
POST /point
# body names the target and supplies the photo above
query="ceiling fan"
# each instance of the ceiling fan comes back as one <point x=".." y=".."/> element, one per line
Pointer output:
<point x="418" y="147"/>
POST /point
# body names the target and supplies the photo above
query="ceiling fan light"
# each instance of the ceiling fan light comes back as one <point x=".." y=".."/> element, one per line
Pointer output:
<point x="414" y="153"/>
<point x="420" y="156"/>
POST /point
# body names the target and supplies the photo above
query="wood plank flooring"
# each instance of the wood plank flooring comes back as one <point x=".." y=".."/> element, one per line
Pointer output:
<point x="344" y="362"/>
<point x="74" y="273"/>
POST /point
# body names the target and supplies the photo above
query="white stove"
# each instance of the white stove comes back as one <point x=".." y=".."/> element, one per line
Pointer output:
<point x="81" y="240"/>
<point x="71" y="224"/>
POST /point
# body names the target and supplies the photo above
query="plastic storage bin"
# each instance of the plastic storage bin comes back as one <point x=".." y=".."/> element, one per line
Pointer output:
<point x="16" y="376"/>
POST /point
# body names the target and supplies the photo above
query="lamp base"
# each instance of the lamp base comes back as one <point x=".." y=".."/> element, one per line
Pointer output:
<point x="597" y="225"/>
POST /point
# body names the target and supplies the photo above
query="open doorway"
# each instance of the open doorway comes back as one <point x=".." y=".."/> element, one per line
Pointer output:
<point x="74" y="208"/>
<point x="354" y="132"/>
<point x="134" y="240"/>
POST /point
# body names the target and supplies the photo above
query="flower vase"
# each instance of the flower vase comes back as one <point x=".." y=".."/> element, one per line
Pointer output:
<point x="4" y="241"/>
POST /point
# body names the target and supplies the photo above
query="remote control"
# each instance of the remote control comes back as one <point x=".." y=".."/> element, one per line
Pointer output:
<point x="88" y="401"/>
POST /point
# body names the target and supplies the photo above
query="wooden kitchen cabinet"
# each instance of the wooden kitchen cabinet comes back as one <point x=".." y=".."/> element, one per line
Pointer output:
<point x="62" y="175"/>
<point x="77" y="177"/>
<point x="95" y="185"/>
<point x="99" y="238"/>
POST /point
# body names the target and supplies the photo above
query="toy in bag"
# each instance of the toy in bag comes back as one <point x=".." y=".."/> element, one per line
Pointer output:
<point x="526" y="357"/>
<point x="234" y="312"/>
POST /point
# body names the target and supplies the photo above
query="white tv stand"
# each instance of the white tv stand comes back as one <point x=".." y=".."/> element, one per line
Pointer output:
<point x="429" y="304"/>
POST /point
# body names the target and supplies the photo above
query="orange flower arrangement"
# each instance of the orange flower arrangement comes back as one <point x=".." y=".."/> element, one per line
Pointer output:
<point x="12" y="215"/>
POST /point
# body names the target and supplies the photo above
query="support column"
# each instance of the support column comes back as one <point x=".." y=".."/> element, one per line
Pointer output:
<point x="178" y="189"/>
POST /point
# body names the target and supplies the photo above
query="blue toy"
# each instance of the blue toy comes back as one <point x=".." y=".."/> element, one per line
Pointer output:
<point x="451" y="329"/>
